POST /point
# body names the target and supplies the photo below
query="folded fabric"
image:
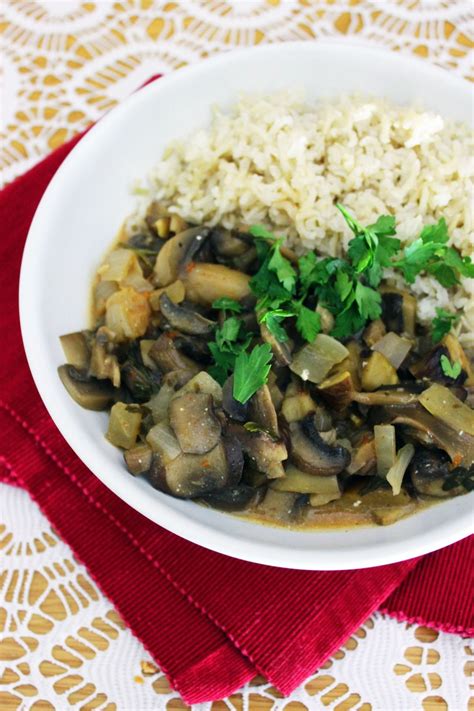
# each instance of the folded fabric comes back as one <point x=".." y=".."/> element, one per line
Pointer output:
<point x="210" y="621"/>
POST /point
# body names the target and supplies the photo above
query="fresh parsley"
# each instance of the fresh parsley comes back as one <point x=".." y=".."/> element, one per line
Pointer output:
<point x="442" y="324"/>
<point x="451" y="370"/>
<point x="251" y="371"/>
<point x="287" y="294"/>
<point x="230" y="340"/>
<point x="226" y="304"/>
<point x="430" y="253"/>
<point x="308" y="323"/>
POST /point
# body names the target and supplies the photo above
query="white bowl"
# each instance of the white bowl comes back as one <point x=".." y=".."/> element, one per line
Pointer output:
<point x="83" y="208"/>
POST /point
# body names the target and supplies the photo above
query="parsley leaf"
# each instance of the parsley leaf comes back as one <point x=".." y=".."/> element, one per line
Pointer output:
<point x="251" y="372"/>
<point x="226" y="304"/>
<point x="430" y="253"/>
<point x="344" y="285"/>
<point x="282" y="268"/>
<point x="229" y="332"/>
<point x="442" y="324"/>
<point x="308" y="323"/>
<point x="314" y="272"/>
<point x="435" y="233"/>
<point x="348" y="322"/>
<point x="260" y="231"/>
<point x="451" y="370"/>
<point x="372" y="247"/>
<point x="369" y="301"/>
<point x="223" y="363"/>
<point x="273" y="319"/>
<point x="385" y="225"/>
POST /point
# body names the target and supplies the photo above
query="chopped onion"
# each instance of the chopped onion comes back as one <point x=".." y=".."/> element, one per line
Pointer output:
<point x="301" y="482"/>
<point x="159" y="403"/>
<point x="385" y="448"/>
<point x="162" y="440"/>
<point x="314" y="361"/>
<point x="322" y="499"/>
<point x="397" y="472"/>
<point x="202" y="382"/>
<point x="393" y="347"/>
<point x="445" y="406"/>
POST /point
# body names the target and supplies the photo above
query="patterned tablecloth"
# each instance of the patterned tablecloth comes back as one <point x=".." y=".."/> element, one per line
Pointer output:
<point x="64" y="63"/>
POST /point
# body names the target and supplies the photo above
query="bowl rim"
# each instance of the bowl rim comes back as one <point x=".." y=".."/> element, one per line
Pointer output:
<point x="274" y="554"/>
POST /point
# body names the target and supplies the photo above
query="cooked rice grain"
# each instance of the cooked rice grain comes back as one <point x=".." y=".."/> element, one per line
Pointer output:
<point x="278" y="161"/>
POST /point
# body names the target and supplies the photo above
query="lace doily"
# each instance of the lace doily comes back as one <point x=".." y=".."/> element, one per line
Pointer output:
<point x="62" y="645"/>
<point x="65" y="62"/>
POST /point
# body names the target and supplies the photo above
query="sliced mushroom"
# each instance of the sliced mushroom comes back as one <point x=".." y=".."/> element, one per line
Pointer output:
<point x="195" y="347"/>
<point x="262" y="410"/>
<point x="76" y="347"/>
<point x="266" y="453"/>
<point x="388" y="396"/>
<point x="88" y="392"/>
<point x="194" y="475"/>
<point x="357" y="509"/>
<point x="374" y="332"/>
<point x="280" y="349"/>
<point x="363" y="458"/>
<point x="232" y="407"/>
<point x="312" y="454"/>
<point x="143" y="240"/>
<point x="141" y="382"/>
<point x="194" y="422"/>
<point x="338" y="391"/>
<point x="429" y="430"/>
<point x="457" y="354"/>
<point x="429" y="367"/>
<point x="184" y="319"/>
<point x="174" y="253"/>
<point x="202" y="383"/>
<point x="167" y="356"/>
<point x="228" y="244"/>
<point x="138" y="459"/>
<point x="429" y="471"/>
<point x="205" y="283"/>
<point x="399" y="311"/>
<point x="235" y="498"/>
<point x="104" y="365"/>
<point x="281" y="506"/>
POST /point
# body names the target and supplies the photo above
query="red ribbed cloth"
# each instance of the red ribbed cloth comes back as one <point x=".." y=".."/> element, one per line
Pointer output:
<point x="210" y="621"/>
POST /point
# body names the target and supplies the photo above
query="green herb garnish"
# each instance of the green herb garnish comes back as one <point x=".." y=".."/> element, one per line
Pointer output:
<point x="287" y="294"/>
<point x="230" y="340"/>
<point x="251" y="371"/>
<point x="430" y="253"/>
<point x="226" y="304"/>
<point x="442" y="324"/>
<point x="451" y="370"/>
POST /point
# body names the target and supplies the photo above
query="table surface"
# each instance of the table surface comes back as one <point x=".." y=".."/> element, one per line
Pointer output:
<point x="65" y="62"/>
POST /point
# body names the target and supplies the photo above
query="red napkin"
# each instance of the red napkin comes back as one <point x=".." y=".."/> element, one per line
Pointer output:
<point x="210" y="621"/>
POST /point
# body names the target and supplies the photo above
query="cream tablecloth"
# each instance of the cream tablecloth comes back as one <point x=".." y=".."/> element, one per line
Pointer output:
<point x="64" y="63"/>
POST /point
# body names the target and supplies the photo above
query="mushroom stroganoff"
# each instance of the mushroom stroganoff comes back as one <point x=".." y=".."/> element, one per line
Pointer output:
<point x="297" y="390"/>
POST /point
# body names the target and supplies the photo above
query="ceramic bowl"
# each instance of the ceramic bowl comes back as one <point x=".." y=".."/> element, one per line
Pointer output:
<point x="80" y="214"/>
